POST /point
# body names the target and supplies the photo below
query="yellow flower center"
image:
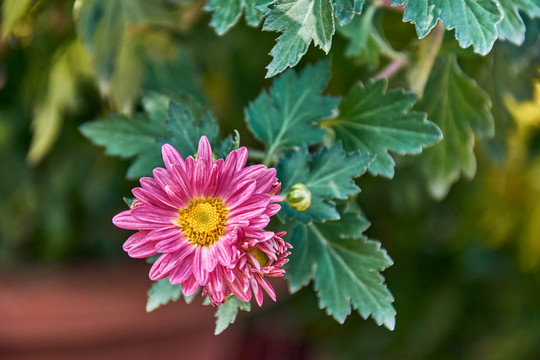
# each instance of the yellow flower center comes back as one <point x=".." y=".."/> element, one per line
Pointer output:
<point x="261" y="257"/>
<point x="203" y="221"/>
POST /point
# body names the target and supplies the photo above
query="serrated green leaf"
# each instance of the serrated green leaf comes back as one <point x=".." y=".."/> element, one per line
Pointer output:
<point x="374" y="121"/>
<point x="329" y="174"/>
<point x="345" y="267"/>
<point x="288" y="115"/>
<point x="474" y="20"/>
<point x="228" y="12"/>
<point x="346" y="9"/>
<point x="161" y="293"/>
<point x="226" y="313"/>
<point x="180" y="122"/>
<point x="122" y="135"/>
<point x="301" y="22"/>
<point x="12" y="12"/>
<point x="186" y="129"/>
<point x="366" y="42"/>
<point x="133" y="136"/>
<point x="512" y="27"/>
<point x="461" y="109"/>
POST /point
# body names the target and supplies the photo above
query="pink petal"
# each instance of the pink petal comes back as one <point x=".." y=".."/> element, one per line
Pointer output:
<point x="163" y="177"/>
<point x="200" y="275"/>
<point x="204" y="152"/>
<point x="183" y="181"/>
<point x="155" y="270"/>
<point x="256" y="291"/>
<point x="180" y="273"/>
<point x="265" y="180"/>
<point x="266" y="286"/>
<point x="189" y="286"/>
<point x="177" y="197"/>
<point x="272" y="209"/>
<point x="213" y="184"/>
<point x="239" y="290"/>
<point x="229" y="275"/>
<point x="168" y="240"/>
<point x="245" y="212"/>
<point x="252" y="171"/>
<point x="125" y="220"/>
<point x="135" y="240"/>
<point x="259" y="222"/>
<point x="242" y="158"/>
<point x="200" y="176"/>
<point x="138" y="245"/>
<point x="154" y="198"/>
<point x="240" y="193"/>
<point x="154" y="215"/>
<point x="208" y="258"/>
<point x="171" y="156"/>
<point x="227" y="173"/>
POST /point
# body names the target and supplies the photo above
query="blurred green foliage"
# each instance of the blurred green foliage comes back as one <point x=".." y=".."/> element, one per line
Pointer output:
<point x="466" y="274"/>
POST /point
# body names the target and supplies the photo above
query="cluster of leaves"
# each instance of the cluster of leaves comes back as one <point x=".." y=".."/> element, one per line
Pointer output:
<point x="324" y="142"/>
<point x="453" y="100"/>
<point x="477" y="23"/>
<point x="328" y="239"/>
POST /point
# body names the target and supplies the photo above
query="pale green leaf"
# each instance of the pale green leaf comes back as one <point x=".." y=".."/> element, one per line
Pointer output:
<point x="474" y="20"/>
<point x="288" y="115"/>
<point x="301" y="22"/>
<point x="461" y="109"/>
<point x="226" y="313"/>
<point x="227" y="13"/>
<point x="70" y="67"/>
<point x="375" y="121"/>
<point x="134" y="136"/>
<point x="161" y="293"/>
<point x="346" y="9"/>
<point x="512" y="27"/>
<point x="12" y="12"/>
<point x="121" y="37"/>
<point x="345" y="268"/>
<point x="366" y="42"/>
<point x="329" y="174"/>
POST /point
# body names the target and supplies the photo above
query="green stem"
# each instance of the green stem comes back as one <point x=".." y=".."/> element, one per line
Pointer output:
<point x="254" y="154"/>
<point x="428" y="51"/>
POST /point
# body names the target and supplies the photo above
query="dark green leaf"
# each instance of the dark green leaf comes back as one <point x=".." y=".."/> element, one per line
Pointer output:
<point x="226" y="313"/>
<point x="374" y="121"/>
<point x="329" y="174"/>
<point x="161" y="293"/>
<point x="474" y="20"/>
<point x="345" y="267"/>
<point x="288" y="115"/>
<point x="461" y="109"/>
<point x="301" y="22"/>
<point x="186" y="129"/>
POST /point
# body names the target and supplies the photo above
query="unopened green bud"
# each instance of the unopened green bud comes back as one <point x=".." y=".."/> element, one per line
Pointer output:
<point x="299" y="197"/>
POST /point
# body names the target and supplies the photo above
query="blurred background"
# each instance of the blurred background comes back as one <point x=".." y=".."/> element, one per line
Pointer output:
<point x="466" y="269"/>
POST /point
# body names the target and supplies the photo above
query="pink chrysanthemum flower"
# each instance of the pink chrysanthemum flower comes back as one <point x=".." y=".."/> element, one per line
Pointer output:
<point x="206" y="218"/>
<point x="257" y="259"/>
